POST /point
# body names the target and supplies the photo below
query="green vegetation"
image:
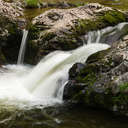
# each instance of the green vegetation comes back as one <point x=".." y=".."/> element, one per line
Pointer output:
<point x="32" y="3"/>
<point x="120" y="99"/>
<point x="88" y="75"/>
<point x="107" y="18"/>
<point x="123" y="87"/>
<point x="114" y="17"/>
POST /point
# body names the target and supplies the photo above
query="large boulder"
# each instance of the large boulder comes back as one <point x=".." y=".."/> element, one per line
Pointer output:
<point x="103" y="81"/>
<point x="10" y="30"/>
<point x="62" y="29"/>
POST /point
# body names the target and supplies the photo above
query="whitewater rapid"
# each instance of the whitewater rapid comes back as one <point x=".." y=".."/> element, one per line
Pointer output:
<point x="42" y="84"/>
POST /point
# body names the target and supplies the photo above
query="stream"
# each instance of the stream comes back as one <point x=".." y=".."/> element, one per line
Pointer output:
<point x="27" y="99"/>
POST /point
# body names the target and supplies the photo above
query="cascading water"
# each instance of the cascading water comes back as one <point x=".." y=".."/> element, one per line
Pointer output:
<point x="22" y="47"/>
<point x="44" y="83"/>
<point x="107" y="35"/>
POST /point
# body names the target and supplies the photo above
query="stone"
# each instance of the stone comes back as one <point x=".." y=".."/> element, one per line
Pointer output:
<point x="10" y="30"/>
<point x="104" y="80"/>
<point x="125" y="38"/>
<point x="75" y="70"/>
<point x="62" y="29"/>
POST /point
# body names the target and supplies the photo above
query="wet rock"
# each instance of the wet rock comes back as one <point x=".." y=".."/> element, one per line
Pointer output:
<point x="10" y="30"/>
<point x="125" y="38"/>
<point x="71" y="89"/>
<point x="115" y="36"/>
<point x="104" y="79"/>
<point x="75" y="70"/>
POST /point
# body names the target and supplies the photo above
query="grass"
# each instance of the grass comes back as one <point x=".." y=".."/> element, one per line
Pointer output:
<point x="32" y="3"/>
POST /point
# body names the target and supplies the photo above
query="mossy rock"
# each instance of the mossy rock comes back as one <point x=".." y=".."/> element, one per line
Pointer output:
<point x="108" y="18"/>
<point x="114" y="17"/>
<point x="68" y="39"/>
<point x="103" y="80"/>
<point x="10" y="39"/>
<point x="124" y="87"/>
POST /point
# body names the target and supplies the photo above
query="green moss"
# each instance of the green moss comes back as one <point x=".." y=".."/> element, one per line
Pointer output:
<point x="123" y="87"/>
<point x="32" y="3"/>
<point x="97" y="56"/>
<point x="12" y="28"/>
<point x="68" y="42"/>
<point x="78" y="3"/>
<point x="48" y="36"/>
<point x="33" y="32"/>
<point x="120" y="99"/>
<point x="83" y="26"/>
<point x="114" y="17"/>
<point x="88" y="79"/>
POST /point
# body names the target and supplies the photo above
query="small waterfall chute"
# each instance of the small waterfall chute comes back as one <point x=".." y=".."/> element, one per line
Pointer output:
<point x="107" y="35"/>
<point x="22" y="47"/>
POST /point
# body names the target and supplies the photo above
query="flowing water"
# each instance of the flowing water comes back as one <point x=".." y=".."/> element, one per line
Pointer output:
<point x="22" y="47"/>
<point x="107" y="35"/>
<point x="43" y="84"/>
<point x="24" y="87"/>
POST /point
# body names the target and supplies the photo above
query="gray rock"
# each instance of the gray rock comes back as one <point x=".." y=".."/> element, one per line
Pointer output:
<point x="10" y="30"/>
<point x="104" y="79"/>
<point x="62" y="29"/>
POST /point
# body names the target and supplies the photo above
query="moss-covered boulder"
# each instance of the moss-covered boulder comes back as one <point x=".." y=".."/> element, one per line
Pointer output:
<point x="63" y="28"/>
<point x="103" y="81"/>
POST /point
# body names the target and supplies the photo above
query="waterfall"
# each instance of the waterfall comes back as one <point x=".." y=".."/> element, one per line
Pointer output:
<point x="44" y="83"/>
<point x="22" y="47"/>
<point x="107" y="35"/>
